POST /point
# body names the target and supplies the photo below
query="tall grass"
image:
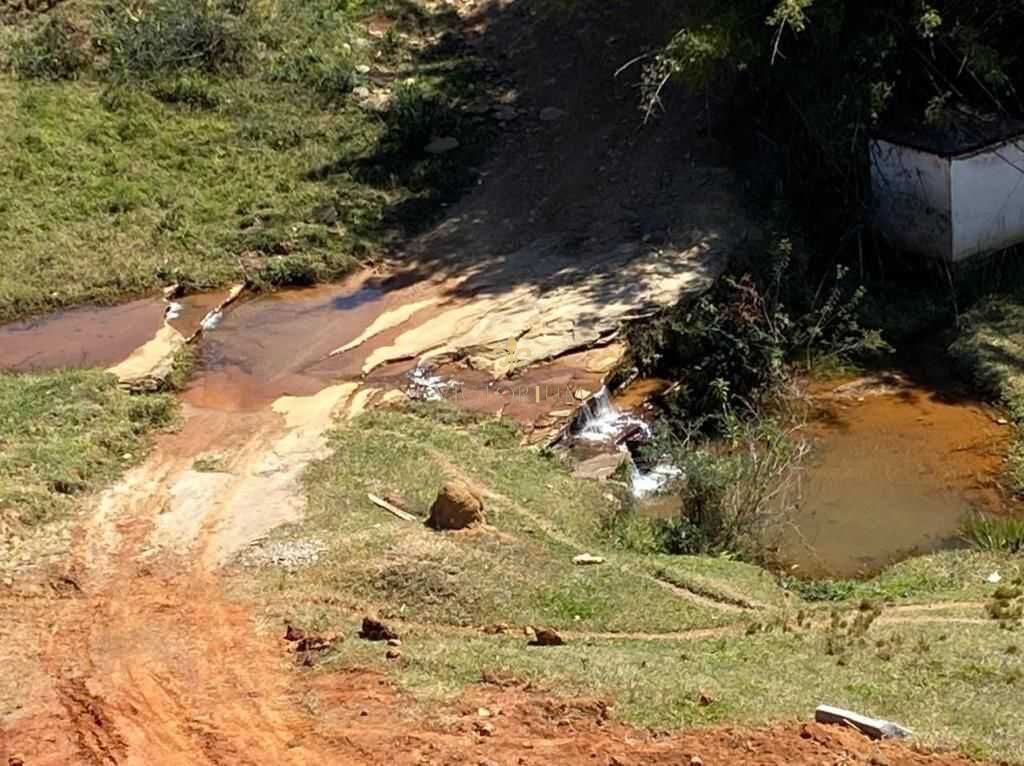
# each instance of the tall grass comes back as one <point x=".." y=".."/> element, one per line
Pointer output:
<point x="1002" y="534"/>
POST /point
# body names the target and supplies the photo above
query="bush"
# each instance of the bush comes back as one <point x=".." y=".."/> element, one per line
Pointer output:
<point x="417" y="114"/>
<point x="1004" y="535"/>
<point x="288" y="271"/>
<point x="168" y="36"/>
<point x="734" y="495"/>
<point x="55" y="51"/>
<point x="736" y="343"/>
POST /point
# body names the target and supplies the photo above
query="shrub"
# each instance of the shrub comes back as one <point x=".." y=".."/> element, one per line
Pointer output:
<point x="416" y="115"/>
<point x="1001" y="534"/>
<point x="737" y="341"/>
<point x="168" y="36"/>
<point x="54" y="51"/>
<point x="734" y="492"/>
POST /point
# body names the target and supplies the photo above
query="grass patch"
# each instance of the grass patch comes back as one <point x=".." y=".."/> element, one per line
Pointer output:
<point x="520" y="572"/>
<point x="66" y="433"/>
<point x="207" y="142"/>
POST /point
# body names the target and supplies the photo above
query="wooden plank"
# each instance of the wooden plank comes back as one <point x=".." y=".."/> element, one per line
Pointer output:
<point x="394" y="510"/>
<point x="872" y="727"/>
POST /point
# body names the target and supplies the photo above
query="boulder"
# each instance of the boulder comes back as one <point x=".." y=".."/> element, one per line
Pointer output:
<point x="457" y="506"/>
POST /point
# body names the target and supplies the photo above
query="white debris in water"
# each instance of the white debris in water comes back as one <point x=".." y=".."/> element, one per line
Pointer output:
<point x="173" y="310"/>
<point x="647" y="483"/>
<point x="211" y="320"/>
<point x="598" y="420"/>
<point x="288" y="554"/>
<point x="426" y="386"/>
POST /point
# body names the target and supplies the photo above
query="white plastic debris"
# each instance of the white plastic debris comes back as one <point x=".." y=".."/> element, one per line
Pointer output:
<point x="995" y="578"/>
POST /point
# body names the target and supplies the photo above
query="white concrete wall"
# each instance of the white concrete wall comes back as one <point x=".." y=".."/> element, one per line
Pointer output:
<point x="988" y="200"/>
<point x="910" y="192"/>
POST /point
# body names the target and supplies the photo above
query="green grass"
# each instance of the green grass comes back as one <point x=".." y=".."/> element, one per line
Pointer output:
<point x="775" y="658"/>
<point x="130" y="172"/>
<point x="64" y="434"/>
<point x="990" y="348"/>
<point x="520" y="572"/>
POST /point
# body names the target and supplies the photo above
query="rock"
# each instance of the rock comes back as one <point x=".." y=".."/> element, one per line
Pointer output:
<point x="551" y="113"/>
<point x="442" y="145"/>
<point x="546" y="637"/>
<point x="363" y="69"/>
<point x="704" y="699"/>
<point x="582" y="394"/>
<point x="483" y="712"/>
<point x="394" y="642"/>
<point x="586" y="559"/>
<point x="291" y="633"/>
<point x="375" y="630"/>
<point x="483" y="728"/>
<point x="457" y="506"/>
<point x="872" y="727"/>
<point x="173" y="291"/>
<point x="361" y="92"/>
<point x="600" y="467"/>
<point x="393" y="654"/>
<point x="505" y="113"/>
<point x="696" y="760"/>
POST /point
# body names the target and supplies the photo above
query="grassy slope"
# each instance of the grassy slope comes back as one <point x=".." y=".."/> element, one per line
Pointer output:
<point x="121" y="183"/>
<point x="774" y="662"/>
<point x="66" y="433"/>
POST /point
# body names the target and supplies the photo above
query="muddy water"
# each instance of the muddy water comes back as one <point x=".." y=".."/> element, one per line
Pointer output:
<point x="895" y="469"/>
<point x="288" y="344"/>
<point x="94" y="336"/>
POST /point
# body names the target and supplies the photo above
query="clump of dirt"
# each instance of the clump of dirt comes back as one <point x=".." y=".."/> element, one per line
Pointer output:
<point x="457" y="506"/>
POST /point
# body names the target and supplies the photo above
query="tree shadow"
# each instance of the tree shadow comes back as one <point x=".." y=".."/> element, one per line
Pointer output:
<point x="556" y="182"/>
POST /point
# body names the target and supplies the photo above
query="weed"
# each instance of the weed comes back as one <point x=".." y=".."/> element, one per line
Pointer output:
<point x="989" y="533"/>
<point x="53" y="51"/>
<point x="417" y="114"/>
<point x="167" y="36"/>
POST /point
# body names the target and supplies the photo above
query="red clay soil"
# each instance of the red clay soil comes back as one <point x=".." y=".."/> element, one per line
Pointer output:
<point x="148" y="667"/>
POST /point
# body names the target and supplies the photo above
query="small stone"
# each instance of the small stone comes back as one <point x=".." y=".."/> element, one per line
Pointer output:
<point x="582" y="394"/>
<point x="483" y="712"/>
<point x="291" y="633"/>
<point x="483" y="728"/>
<point x="393" y="654"/>
<point x="696" y="760"/>
<point x="361" y="92"/>
<point x="394" y="642"/>
<point x="505" y="113"/>
<point x="704" y="699"/>
<point x="442" y="145"/>
<point x="363" y="69"/>
<point x="586" y="559"/>
<point x="551" y="113"/>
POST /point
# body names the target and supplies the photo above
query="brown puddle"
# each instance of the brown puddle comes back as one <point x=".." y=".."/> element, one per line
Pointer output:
<point x="93" y="336"/>
<point x="895" y="469"/>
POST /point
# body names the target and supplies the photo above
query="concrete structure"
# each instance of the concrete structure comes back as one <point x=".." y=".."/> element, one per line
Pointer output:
<point x="947" y="198"/>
